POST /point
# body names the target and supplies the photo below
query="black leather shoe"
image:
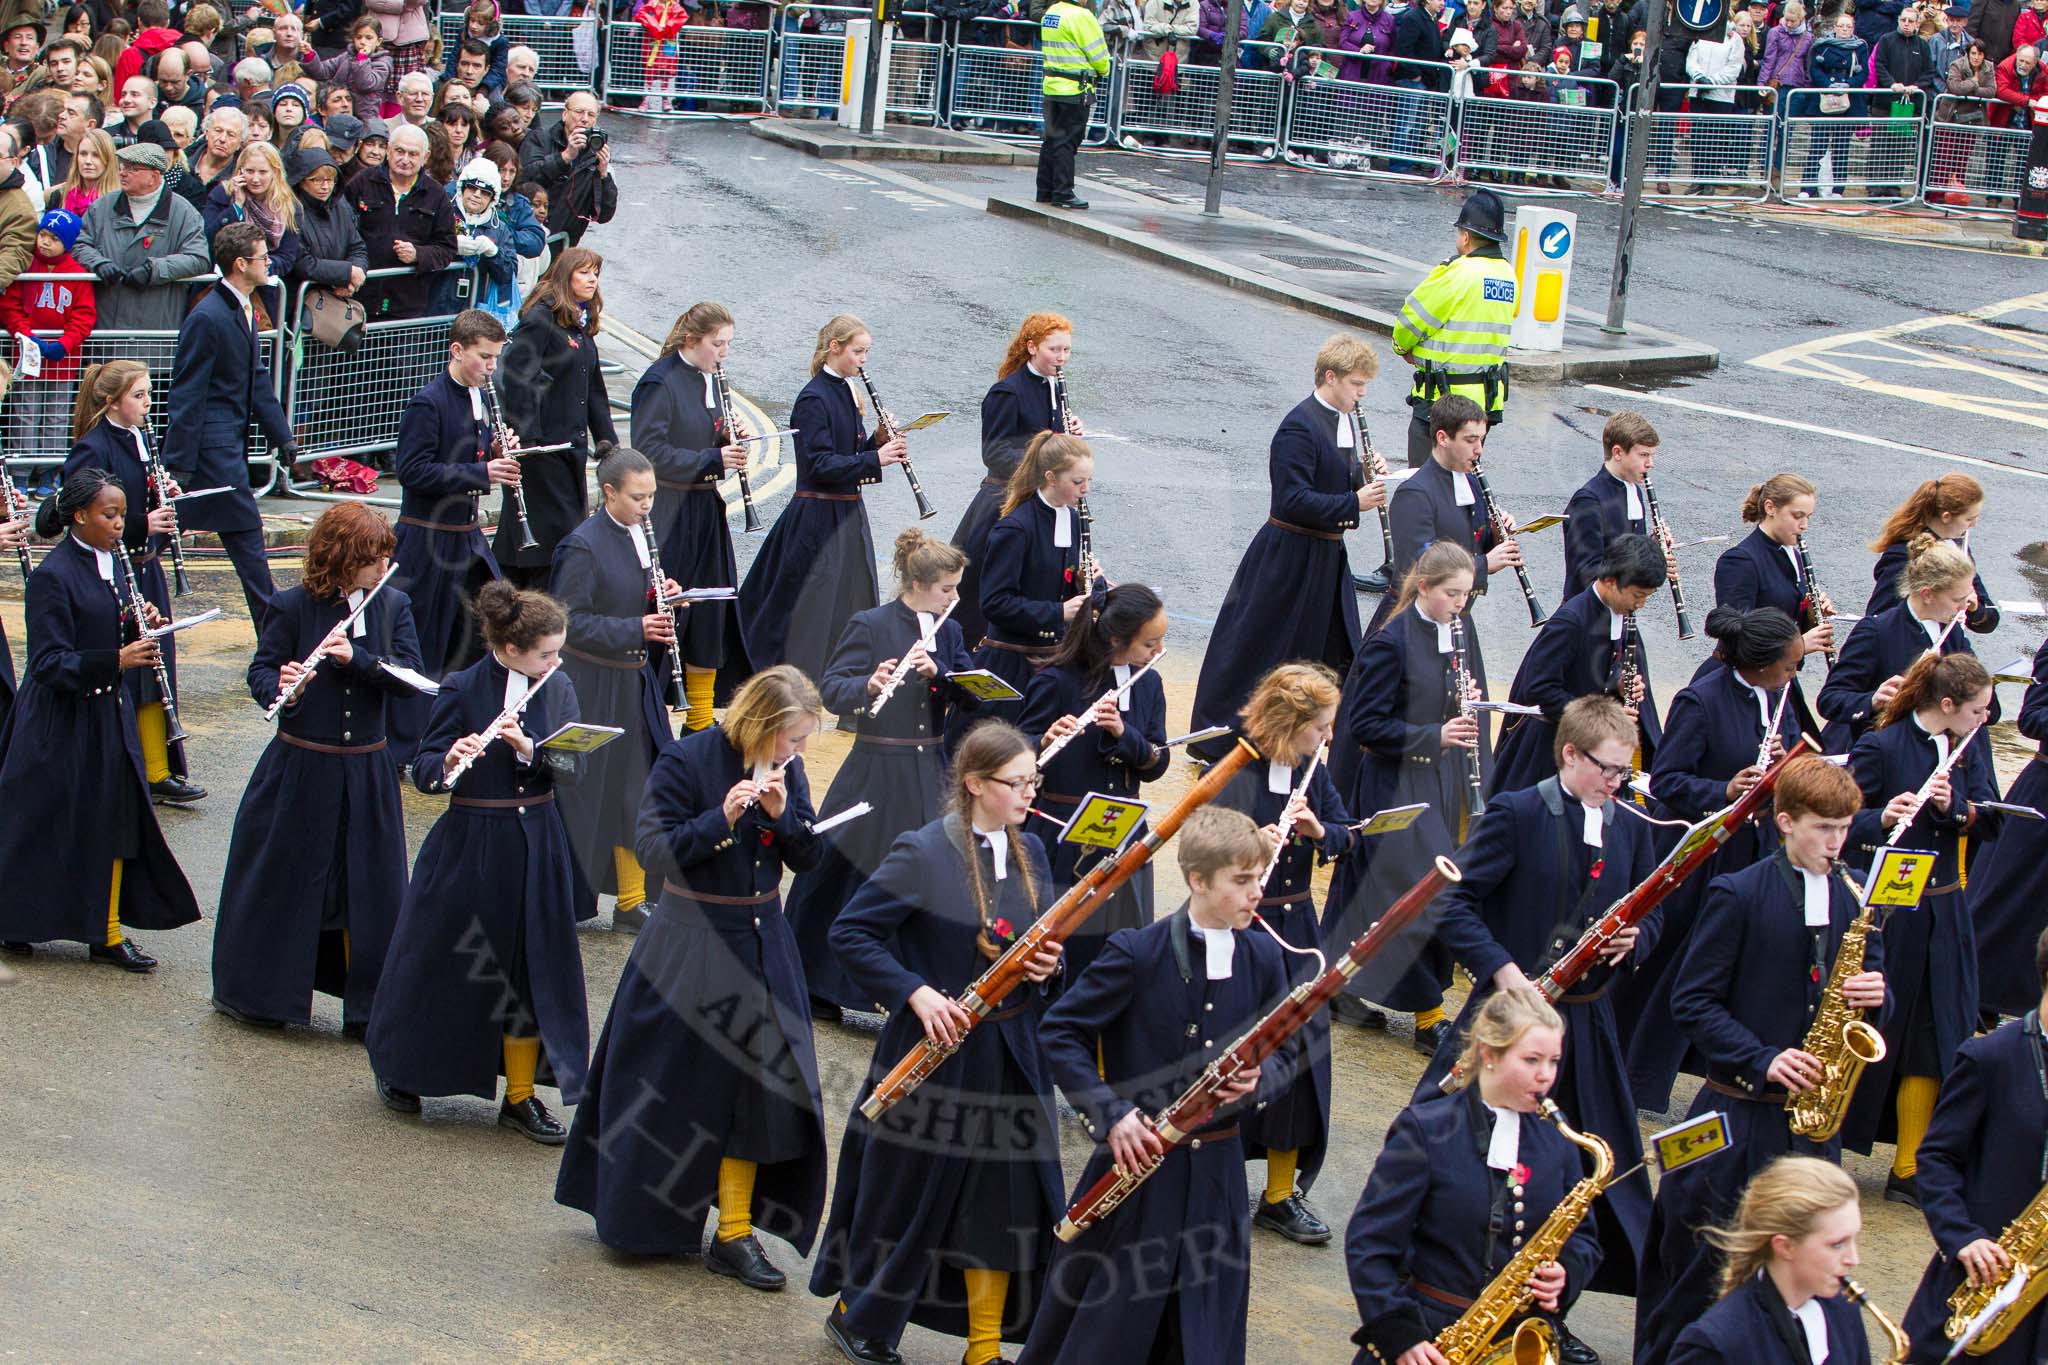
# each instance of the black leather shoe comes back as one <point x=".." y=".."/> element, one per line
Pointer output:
<point x="176" y="791"/>
<point x="396" y="1100"/>
<point x="355" y="1030"/>
<point x="1428" y="1040"/>
<point x="16" y="948"/>
<point x="742" y="1259"/>
<point x="826" y="1011"/>
<point x="1352" y="1010"/>
<point x="859" y="1350"/>
<point x="1042" y="199"/>
<point x="532" y="1118"/>
<point x="1068" y="201"/>
<point x="254" y="1021"/>
<point x="629" y="921"/>
<point x="124" y="955"/>
<point x="1293" y="1219"/>
<point x="1902" y="1190"/>
<point x="1572" y="1351"/>
<point x="1374" y="583"/>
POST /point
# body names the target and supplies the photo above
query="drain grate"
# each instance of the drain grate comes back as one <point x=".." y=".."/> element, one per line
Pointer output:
<point x="1321" y="263"/>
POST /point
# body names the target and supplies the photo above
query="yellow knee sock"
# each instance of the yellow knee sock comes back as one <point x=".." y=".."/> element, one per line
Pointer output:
<point x="632" y="878"/>
<point x="1280" y="1175"/>
<point x="1915" y="1110"/>
<point x="114" y="906"/>
<point x="735" y="1199"/>
<point x="522" y="1059"/>
<point x="986" y="1292"/>
<point x="1429" y="1018"/>
<point x="697" y="685"/>
<point x="155" y="733"/>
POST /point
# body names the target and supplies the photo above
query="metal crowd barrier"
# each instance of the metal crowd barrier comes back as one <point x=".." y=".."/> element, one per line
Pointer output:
<point x="1546" y="136"/>
<point x="809" y="63"/>
<point x="1967" y="156"/>
<point x="1865" y="147"/>
<point x="996" y="87"/>
<point x="1395" y="127"/>
<point x="700" y="73"/>
<point x="1726" y="153"/>
<point x="560" y="74"/>
<point x="917" y="75"/>
<point x="1256" y="100"/>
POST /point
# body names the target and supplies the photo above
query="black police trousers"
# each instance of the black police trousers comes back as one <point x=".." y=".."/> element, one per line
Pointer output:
<point x="1066" y="123"/>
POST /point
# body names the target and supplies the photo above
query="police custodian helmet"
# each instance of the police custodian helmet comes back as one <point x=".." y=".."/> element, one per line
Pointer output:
<point x="1484" y="216"/>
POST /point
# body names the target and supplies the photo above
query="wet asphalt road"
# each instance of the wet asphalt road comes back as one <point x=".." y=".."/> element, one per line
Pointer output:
<point x="185" y="1189"/>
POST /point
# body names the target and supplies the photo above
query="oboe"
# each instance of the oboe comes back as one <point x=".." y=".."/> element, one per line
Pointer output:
<point x="490" y="731"/>
<point x="160" y="484"/>
<point x="17" y="502"/>
<point x="1462" y="684"/>
<point x="885" y="431"/>
<point x="730" y="430"/>
<point x="902" y="669"/>
<point x="1816" y="604"/>
<point x="1375" y="467"/>
<point x="287" y="695"/>
<point x="1500" y="528"/>
<point x="657" y="601"/>
<point x="1068" y="422"/>
<point x="508" y="442"/>
<point x="1677" y="588"/>
<point x="174" y="733"/>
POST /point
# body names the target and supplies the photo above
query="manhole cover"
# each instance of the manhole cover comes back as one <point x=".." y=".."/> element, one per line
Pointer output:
<point x="1322" y="263"/>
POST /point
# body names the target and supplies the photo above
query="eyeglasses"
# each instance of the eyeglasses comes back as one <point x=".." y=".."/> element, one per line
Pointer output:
<point x="1612" y="772"/>
<point x="1023" y="786"/>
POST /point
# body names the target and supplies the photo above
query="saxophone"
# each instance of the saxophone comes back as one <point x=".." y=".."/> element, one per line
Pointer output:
<point x="1471" y="1339"/>
<point x="1894" y="1337"/>
<point x="1840" y="1038"/>
<point x="2025" y="1239"/>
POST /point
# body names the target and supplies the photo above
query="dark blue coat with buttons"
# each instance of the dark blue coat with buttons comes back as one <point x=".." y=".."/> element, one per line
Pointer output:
<point x="1757" y="572"/>
<point x="7" y="684"/>
<point x="219" y="384"/>
<point x="707" y="1051"/>
<point x="1752" y="1326"/>
<point x="441" y="457"/>
<point x="73" y="777"/>
<point x="1428" y="1212"/>
<point x="1877" y="648"/>
<point x="486" y="938"/>
<point x="2006" y="905"/>
<point x="1572" y="656"/>
<point x="1015" y="409"/>
<point x="1025" y="580"/>
<point x="1596" y="514"/>
<point x="674" y="427"/>
<point x="1884" y="589"/>
<point x="319" y="843"/>
<point x="1184" y="1238"/>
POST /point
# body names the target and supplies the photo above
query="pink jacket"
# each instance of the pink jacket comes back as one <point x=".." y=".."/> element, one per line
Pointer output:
<point x="400" y="21"/>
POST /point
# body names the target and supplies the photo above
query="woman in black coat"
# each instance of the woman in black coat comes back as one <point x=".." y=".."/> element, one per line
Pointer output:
<point x="82" y="849"/>
<point x="484" y="972"/>
<point x="1026" y="399"/>
<point x="2005" y="896"/>
<point x="1947" y="508"/>
<point x="898" y="761"/>
<point x="316" y="866"/>
<point x="817" y="566"/>
<point x="709" y="1018"/>
<point x="331" y="250"/>
<point x="1110" y="745"/>
<point x="554" y="392"/>
<point x="1770" y="567"/>
<point x="1937" y="582"/>
<point x="943" y="1209"/>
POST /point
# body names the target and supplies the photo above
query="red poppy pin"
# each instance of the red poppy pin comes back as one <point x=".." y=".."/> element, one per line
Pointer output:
<point x="767" y="837"/>
<point x="1067" y="575"/>
<point x="1520" y="1174"/>
<point x="573" y="343"/>
<point x="1598" y="864"/>
<point x="1003" y="929"/>
<point x="148" y="242"/>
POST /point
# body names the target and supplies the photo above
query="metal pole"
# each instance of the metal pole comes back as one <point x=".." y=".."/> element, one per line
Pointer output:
<point x="870" y="104"/>
<point x="1226" y="81"/>
<point x="1642" y="100"/>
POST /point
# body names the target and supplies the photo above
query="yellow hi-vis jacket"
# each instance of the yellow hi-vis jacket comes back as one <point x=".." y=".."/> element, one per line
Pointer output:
<point x="1455" y="324"/>
<point x="1070" y="40"/>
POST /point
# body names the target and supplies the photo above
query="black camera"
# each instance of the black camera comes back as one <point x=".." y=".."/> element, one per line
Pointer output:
<point x="595" y="138"/>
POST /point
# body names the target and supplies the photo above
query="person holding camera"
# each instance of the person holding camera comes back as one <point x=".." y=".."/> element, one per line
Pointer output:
<point x="572" y="162"/>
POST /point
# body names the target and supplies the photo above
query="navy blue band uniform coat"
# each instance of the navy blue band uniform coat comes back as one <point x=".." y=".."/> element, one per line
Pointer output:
<point x="554" y="391"/>
<point x="897" y="765"/>
<point x="2006" y="905"/>
<point x="707" y="1052"/>
<point x="1573" y="655"/>
<point x="1595" y="515"/>
<point x="1095" y="761"/>
<point x="316" y="867"/>
<point x="676" y="424"/>
<point x="1878" y="647"/>
<point x="1291" y="597"/>
<point x="621" y="679"/>
<point x="965" y="1171"/>
<point x="1752" y="1326"/>
<point x="1016" y="408"/>
<point x="485" y="944"/>
<point x="77" y="797"/>
<point x="1755" y="572"/>
<point x="1891" y="566"/>
<point x="1182" y="1243"/>
<point x="1025" y="582"/>
<point x="1746" y="990"/>
<point x="817" y="566"/>
<point x="1433" y="1213"/>
<point x="1532" y="886"/>
<point x="7" y="682"/>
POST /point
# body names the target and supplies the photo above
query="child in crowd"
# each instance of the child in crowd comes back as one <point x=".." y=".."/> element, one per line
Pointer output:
<point x="64" y="311"/>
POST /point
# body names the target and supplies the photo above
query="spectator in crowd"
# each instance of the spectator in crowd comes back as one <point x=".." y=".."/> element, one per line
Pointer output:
<point x="1748" y="100"/>
<point x="331" y="250"/>
<point x="1903" y="65"/>
<point x="522" y="103"/>
<point x="1417" y="38"/>
<point x="482" y="27"/>
<point x="365" y="69"/>
<point x="522" y="66"/>
<point x="1836" y="68"/>
<point x="1948" y="44"/>
<point x="288" y="42"/>
<point x="328" y="23"/>
<point x="575" y="167"/>
<point x="2030" y="26"/>
<point x="43" y="111"/>
<point x="456" y="93"/>
<point x="20" y="37"/>
<point x="343" y="131"/>
<point x="1970" y="83"/>
<point x="1167" y="25"/>
<point x="1787" y="49"/>
<point x="108" y="48"/>
<point x="226" y="131"/>
<point x="373" y="147"/>
<point x="529" y="238"/>
<point x="290" y="103"/>
<point x="415" y="99"/>
<point x="18" y="213"/>
<point x="199" y="66"/>
<point x="531" y="268"/>
<point x="1874" y="19"/>
<point x="203" y="26"/>
<point x="252" y="77"/>
<point x="91" y="175"/>
<point x="60" y="63"/>
<point x="94" y="78"/>
<point x="60" y="307"/>
<point x="173" y="86"/>
<point x="143" y="243"/>
<point x="154" y="36"/>
<point x="1970" y="77"/>
<point x="257" y="193"/>
<point x="1502" y="40"/>
<point x="405" y="29"/>
<point x="1992" y="21"/>
<point x="1715" y="69"/>
<point x="184" y="129"/>
<point x="406" y="220"/>
<point x="440" y="154"/>
<point x="136" y="105"/>
<point x="157" y="132"/>
<point x="458" y="124"/>
<point x="2017" y="82"/>
<point x="79" y="115"/>
<point x="484" y="240"/>
<point x="262" y="128"/>
<point x="1369" y="31"/>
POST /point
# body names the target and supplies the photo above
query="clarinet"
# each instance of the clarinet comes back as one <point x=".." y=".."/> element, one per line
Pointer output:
<point x="885" y="429"/>
<point x="1630" y="673"/>
<point x="1461" y="685"/>
<point x="731" y="429"/>
<point x="1500" y="528"/>
<point x="174" y="733"/>
<point x="1375" y="467"/>
<point x="508" y="441"/>
<point x="160" y="484"/>
<point x="1809" y="584"/>
<point x="655" y="599"/>
<point x="1677" y="588"/>
<point x="1059" y="401"/>
<point x="18" y="502"/>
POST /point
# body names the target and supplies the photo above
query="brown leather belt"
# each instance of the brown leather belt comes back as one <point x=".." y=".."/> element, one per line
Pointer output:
<point x="1948" y="890"/>
<point x="503" y="802"/>
<point x="1736" y="1092"/>
<point x="706" y="898"/>
<point x="1587" y="998"/>
<point x="1032" y="652"/>
<point x="426" y="525"/>
<point x="1303" y="530"/>
<point x="624" y="665"/>
<point x="1442" y="1296"/>
<point x="1057" y="799"/>
<point x="146" y="558"/>
<point x="892" y="742"/>
<point x="699" y="486"/>
<point x="826" y="497"/>
<point x="1000" y="1015"/>
<point x="1212" y="1135"/>
<point x="1295" y="899"/>
<point x="298" y="743"/>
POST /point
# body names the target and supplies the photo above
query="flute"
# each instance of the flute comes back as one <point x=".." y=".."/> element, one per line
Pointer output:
<point x="1290" y="814"/>
<point x="1920" y="797"/>
<point x="288" y="695"/>
<point x="655" y="599"/>
<point x="1375" y="468"/>
<point x="902" y="669"/>
<point x="1117" y="693"/>
<point x="752" y="801"/>
<point x="1500" y="528"/>
<point x="174" y="733"/>
<point x="735" y="430"/>
<point x="1763" y="748"/>
<point x="885" y="431"/>
<point x="160" y="484"/>
<point x="490" y="731"/>
<point x="1677" y="588"/>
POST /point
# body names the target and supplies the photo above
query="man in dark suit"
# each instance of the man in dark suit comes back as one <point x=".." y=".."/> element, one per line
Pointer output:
<point x="218" y="383"/>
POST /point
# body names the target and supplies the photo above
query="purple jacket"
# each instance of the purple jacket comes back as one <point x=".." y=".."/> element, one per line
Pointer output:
<point x="1785" y="58"/>
<point x="1360" y="28"/>
<point x="1209" y="24"/>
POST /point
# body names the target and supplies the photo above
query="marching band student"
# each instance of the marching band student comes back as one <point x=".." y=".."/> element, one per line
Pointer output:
<point x="84" y="855"/>
<point x="1980" y="1166"/>
<point x="1587" y="647"/>
<point x="448" y="457"/>
<point x="951" y="1198"/>
<point x="707" y="1051"/>
<point x="1544" y="864"/>
<point x="817" y="566"/>
<point x="1127" y="746"/>
<point x="1167" y="1277"/>
<point x="1428" y="1235"/>
<point x="1934" y="588"/>
<point x="1033" y="583"/>
<point x="1745" y="996"/>
<point x="13" y="535"/>
<point x="110" y="431"/>
<point x="1291" y="597"/>
<point x="1406" y="718"/>
<point x="1288" y="716"/>
<point x="1947" y="508"/>
<point x="1791" y="1243"/>
<point x="316" y="866"/>
<point x="621" y="656"/>
<point x="1026" y="399"/>
<point x="1723" y="730"/>
<point x="1930" y="958"/>
<point x="2006" y="906"/>
<point x="898" y="760"/>
<point x="1610" y="503"/>
<point x="484" y="971"/>
<point x="679" y="424"/>
<point x="1766" y="568"/>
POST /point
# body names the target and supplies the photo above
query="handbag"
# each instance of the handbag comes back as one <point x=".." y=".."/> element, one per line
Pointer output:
<point x="335" y="322"/>
<point x="1167" y="81"/>
<point x="1834" y="102"/>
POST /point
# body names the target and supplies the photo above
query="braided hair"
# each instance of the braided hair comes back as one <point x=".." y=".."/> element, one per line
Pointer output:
<point x="986" y="748"/>
<point x="79" y="492"/>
